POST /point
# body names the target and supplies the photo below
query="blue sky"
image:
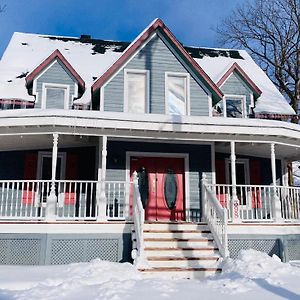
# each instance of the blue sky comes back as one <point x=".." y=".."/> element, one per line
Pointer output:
<point x="190" y="20"/>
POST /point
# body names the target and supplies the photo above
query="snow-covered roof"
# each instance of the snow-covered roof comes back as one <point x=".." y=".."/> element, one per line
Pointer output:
<point x="91" y="58"/>
<point x="216" y="62"/>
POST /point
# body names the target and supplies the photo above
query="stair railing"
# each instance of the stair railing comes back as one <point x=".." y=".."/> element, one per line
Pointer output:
<point x="216" y="217"/>
<point x="137" y="253"/>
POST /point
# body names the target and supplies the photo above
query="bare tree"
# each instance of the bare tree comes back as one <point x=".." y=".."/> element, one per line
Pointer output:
<point x="270" y="31"/>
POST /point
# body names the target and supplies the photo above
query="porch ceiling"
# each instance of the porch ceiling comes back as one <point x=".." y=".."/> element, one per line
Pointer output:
<point x="248" y="133"/>
<point x="45" y="141"/>
<point x="260" y="150"/>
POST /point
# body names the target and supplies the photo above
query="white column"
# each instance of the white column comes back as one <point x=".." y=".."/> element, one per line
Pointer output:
<point x="101" y="198"/>
<point x="51" y="199"/>
<point x="276" y="206"/>
<point x="235" y="205"/>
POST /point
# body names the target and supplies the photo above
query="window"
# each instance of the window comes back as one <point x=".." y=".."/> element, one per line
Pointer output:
<point x="234" y="107"/>
<point x="55" y="96"/>
<point x="176" y="93"/>
<point x="136" y="91"/>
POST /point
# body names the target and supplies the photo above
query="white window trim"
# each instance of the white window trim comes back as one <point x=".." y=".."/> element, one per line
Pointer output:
<point x="245" y="162"/>
<point x="187" y="104"/>
<point x="66" y="87"/>
<point x="137" y="71"/>
<point x="235" y="97"/>
<point x="61" y="155"/>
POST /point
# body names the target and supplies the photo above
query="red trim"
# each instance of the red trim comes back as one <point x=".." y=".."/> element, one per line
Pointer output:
<point x="56" y="54"/>
<point x="237" y="68"/>
<point x="140" y="41"/>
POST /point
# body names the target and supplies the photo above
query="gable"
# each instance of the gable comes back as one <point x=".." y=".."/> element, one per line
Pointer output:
<point x="156" y="57"/>
<point x="235" y="85"/>
<point x="56" y="74"/>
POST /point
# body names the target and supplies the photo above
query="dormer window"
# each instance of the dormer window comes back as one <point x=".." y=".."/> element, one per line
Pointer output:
<point x="234" y="106"/>
<point x="177" y="91"/>
<point x="136" y="91"/>
<point x="55" y="96"/>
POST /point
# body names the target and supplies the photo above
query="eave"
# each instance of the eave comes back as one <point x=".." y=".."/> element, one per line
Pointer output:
<point x="139" y="42"/>
<point x="55" y="55"/>
<point x="236" y="68"/>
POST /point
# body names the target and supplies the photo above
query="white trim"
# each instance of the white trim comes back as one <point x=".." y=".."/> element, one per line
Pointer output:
<point x="129" y="60"/>
<point x="65" y="87"/>
<point x="101" y="106"/>
<point x="213" y="162"/>
<point x="210" y="106"/>
<point x="61" y="155"/>
<point x="147" y="92"/>
<point x="185" y="156"/>
<point x="242" y="98"/>
<point x="46" y="69"/>
<point x="187" y="90"/>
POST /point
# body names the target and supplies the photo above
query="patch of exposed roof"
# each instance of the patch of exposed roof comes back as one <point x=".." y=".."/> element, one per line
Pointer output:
<point x="209" y="52"/>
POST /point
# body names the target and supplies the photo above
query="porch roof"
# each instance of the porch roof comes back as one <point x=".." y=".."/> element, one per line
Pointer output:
<point x="153" y="126"/>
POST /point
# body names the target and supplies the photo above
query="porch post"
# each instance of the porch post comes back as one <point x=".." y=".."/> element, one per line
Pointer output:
<point x="51" y="199"/>
<point x="276" y="205"/>
<point x="101" y="198"/>
<point x="235" y="201"/>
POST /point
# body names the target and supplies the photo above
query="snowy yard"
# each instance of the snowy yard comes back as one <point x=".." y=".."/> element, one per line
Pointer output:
<point x="253" y="276"/>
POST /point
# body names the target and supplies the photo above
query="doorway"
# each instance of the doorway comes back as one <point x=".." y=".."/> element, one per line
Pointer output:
<point x="161" y="186"/>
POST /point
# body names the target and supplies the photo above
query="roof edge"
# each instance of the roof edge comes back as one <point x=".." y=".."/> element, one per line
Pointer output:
<point x="142" y="38"/>
<point x="55" y="55"/>
<point x="236" y="67"/>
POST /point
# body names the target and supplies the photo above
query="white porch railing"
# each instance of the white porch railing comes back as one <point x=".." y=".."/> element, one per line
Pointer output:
<point x="138" y="223"/>
<point x="290" y="202"/>
<point x="76" y="200"/>
<point x="256" y="202"/>
<point x="216" y="217"/>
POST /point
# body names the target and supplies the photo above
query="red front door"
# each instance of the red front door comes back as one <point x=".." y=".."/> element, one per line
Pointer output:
<point x="161" y="188"/>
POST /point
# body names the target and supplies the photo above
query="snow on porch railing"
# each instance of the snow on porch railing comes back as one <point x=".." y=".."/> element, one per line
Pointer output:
<point x="137" y="253"/>
<point x="75" y="200"/>
<point x="290" y="202"/>
<point x="216" y="217"/>
<point x="255" y="201"/>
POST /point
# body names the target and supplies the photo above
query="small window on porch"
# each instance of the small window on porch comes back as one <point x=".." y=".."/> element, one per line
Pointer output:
<point x="136" y="91"/>
<point x="177" y="86"/>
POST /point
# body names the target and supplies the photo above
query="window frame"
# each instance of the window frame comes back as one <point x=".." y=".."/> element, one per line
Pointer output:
<point x="65" y="87"/>
<point x="147" y="92"/>
<point x="242" y="98"/>
<point x="187" y="91"/>
<point x="245" y="162"/>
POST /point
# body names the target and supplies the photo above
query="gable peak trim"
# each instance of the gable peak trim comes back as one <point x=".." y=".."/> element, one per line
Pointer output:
<point x="139" y="41"/>
<point x="237" y="68"/>
<point x="50" y="59"/>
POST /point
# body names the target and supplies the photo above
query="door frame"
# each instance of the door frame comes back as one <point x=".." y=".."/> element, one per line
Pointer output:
<point x="186" y="186"/>
<point x="42" y="154"/>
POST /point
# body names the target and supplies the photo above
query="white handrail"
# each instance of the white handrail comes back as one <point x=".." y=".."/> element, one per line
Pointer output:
<point x="138" y="220"/>
<point x="216" y="217"/>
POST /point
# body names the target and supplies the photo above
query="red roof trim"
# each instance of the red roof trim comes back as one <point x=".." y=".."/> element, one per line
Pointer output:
<point x="237" y="68"/>
<point x="56" y="54"/>
<point x="134" y="47"/>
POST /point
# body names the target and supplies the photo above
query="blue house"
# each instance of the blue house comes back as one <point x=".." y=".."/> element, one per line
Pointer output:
<point x="151" y="151"/>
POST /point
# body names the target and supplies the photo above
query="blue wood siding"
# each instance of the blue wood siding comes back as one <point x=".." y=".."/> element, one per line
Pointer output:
<point x="199" y="163"/>
<point x="56" y="74"/>
<point x="234" y="85"/>
<point x="156" y="57"/>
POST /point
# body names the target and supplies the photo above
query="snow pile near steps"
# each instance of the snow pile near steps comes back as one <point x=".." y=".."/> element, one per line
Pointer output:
<point x="254" y="275"/>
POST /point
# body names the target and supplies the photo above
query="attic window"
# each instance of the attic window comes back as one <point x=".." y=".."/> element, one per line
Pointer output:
<point x="234" y="107"/>
<point x="55" y="96"/>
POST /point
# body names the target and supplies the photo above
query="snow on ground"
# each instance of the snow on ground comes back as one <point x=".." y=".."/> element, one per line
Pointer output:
<point x="254" y="275"/>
